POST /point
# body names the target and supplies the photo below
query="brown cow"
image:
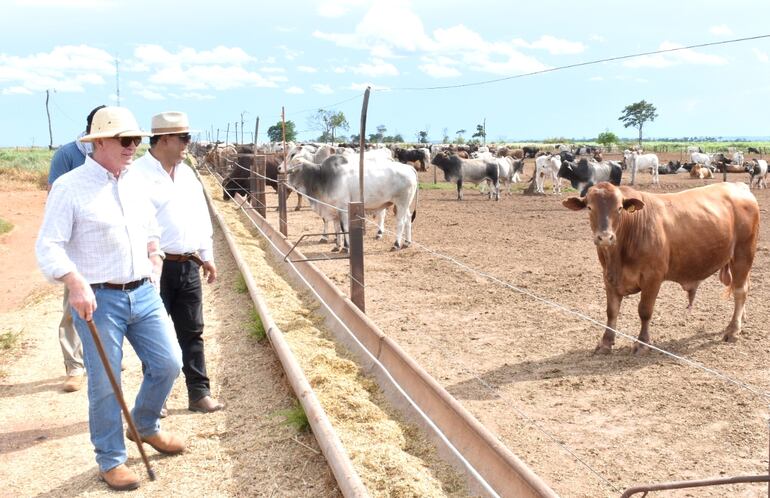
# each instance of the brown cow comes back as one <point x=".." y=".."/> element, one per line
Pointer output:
<point x="643" y="239"/>
<point x="700" y="171"/>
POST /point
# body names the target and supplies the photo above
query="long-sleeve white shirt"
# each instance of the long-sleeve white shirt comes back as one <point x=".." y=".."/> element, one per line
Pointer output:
<point x="183" y="216"/>
<point x="98" y="225"/>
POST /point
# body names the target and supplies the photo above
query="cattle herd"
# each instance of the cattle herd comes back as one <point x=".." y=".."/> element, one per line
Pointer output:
<point x="633" y="230"/>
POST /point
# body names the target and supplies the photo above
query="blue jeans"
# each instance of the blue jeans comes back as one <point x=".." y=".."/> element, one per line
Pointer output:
<point x="140" y="317"/>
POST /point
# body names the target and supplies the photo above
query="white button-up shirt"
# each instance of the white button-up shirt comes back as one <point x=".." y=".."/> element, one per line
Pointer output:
<point x="181" y="209"/>
<point x="98" y="225"/>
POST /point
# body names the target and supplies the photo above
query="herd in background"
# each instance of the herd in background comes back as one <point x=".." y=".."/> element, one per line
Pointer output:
<point x="329" y="174"/>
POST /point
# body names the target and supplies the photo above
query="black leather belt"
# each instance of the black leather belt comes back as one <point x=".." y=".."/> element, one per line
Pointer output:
<point x="181" y="258"/>
<point x="121" y="287"/>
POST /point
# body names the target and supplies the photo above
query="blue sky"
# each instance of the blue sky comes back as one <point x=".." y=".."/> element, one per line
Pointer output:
<point x="220" y="60"/>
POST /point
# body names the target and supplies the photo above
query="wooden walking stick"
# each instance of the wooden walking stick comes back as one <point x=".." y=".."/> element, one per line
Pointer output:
<point x="119" y="395"/>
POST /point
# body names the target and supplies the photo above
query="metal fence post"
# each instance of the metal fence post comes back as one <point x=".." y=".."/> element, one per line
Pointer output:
<point x="356" y="228"/>
<point x="282" y="226"/>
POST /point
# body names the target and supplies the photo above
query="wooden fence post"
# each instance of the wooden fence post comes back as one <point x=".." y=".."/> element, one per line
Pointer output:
<point x="356" y="228"/>
<point x="282" y="225"/>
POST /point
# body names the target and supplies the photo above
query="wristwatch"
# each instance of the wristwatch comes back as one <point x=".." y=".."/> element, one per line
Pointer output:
<point x="157" y="252"/>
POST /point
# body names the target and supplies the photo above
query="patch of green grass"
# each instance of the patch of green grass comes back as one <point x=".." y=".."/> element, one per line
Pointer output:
<point x="256" y="329"/>
<point x="5" y="226"/>
<point x="240" y="285"/>
<point x="295" y="417"/>
<point x="9" y="339"/>
<point x="437" y="186"/>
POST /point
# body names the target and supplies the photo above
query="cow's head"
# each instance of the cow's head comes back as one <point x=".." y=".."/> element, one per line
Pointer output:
<point x="607" y="206"/>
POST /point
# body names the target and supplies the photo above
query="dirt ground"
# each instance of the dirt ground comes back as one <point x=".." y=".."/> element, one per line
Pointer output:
<point x="245" y="450"/>
<point x="589" y="425"/>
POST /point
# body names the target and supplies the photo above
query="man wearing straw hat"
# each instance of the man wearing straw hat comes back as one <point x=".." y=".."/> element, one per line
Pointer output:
<point x="99" y="236"/>
<point x="186" y="241"/>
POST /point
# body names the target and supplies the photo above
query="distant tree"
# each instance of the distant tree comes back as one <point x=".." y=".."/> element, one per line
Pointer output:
<point x="328" y="122"/>
<point x="460" y="134"/>
<point x="381" y="129"/>
<point x="607" y="138"/>
<point x="637" y="114"/>
<point x="274" y="133"/>
<point x="481" y="132"/>
<point x="354" y="139"/>
<point x="422" y="137"/>
<point x="445" y="136"/>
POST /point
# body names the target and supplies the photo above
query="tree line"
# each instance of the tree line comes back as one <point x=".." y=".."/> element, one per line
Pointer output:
<point x="330" y="123"/>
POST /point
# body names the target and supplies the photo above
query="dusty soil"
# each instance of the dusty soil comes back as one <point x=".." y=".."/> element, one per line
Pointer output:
<point x="245" y="450"/>
<point x="589" y="425"/>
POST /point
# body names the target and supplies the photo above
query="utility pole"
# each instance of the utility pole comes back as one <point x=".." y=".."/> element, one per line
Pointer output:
<point x="50" y="133"/>
<point x="117" y="79"/>
<point x="484" y="138"/>
<point x="244" y="112"/>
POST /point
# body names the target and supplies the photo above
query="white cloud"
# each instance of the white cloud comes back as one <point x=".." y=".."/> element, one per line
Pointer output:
<point x="439" y="71"/>
<point x="336" y="8"/>
<point x="687" y="56"/>
<point x="204" y="77"/>
<point x="597" y="38"/>
<point x="68" y="68"/>
<point x="761" y="56"/>
<point x="389" y="29"/>
<point x="16" y="90"/>
<point x="191" y="96"/>
<point x="721" y="30"/>
<point x="323" y="89"/>
<point x="295" y="90"/>
<point x="306" y="69"/>
<point x="150" y="95"/>
<point x="272" y="70"/>
<point x="554" y="46"/>
<point x="155" y="54"/>
<point x="377" y="68"/>
<point x="289" y="53"/>
<point x="360" y="87"/>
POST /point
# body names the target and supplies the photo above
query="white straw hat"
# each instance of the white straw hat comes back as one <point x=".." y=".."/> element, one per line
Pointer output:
<point x="170" y="122"/>
<point x="114" y="122"/>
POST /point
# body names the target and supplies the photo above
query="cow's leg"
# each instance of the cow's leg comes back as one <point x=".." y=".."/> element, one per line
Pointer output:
<point x="400" y="218"/>
<point x="646" y="306"/>
<point x="299" y="202"/>
<point x="743" y="258"/>
<point x="344" y="224"/>
<point x="380" y="224"/>
<point x="613" y="308"/>
<point x="460" y="189"/>
<point x="408" y="228"/>
<point x="325" y="237"/>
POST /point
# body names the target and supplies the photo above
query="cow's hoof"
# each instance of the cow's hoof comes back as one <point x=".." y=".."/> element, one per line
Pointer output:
<point x="640" y="349"/>
<point x="323" y="240"/>
<point x="297" y="208"/>
<point x="378" y="236"/>
<point x="406" y="244"/>
<point x="602" y="349"/>
<point x="729" y="337"/>
<point x="344" y="250"/>
<point x="335" y="249"/>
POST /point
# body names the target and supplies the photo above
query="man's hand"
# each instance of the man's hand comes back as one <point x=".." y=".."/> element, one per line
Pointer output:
<point x="82" y="297"/>
<point x="209" y="271"/>
<point x="157" y="268"/>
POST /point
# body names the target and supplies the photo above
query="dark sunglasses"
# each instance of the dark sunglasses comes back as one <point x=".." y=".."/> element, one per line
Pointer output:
<point x="127" y="141"/>
<point x="184" y="138"/>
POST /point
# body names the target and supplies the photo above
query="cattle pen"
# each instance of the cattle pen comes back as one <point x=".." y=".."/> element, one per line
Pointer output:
<point x="460" y="302"/>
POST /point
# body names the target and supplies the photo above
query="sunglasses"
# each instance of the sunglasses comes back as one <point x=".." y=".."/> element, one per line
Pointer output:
<point x="127" y="141"/>
<point x="184" y="138"/>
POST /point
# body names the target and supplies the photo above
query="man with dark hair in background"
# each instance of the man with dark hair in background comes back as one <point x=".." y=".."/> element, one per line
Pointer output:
<point x="67" y="158"/>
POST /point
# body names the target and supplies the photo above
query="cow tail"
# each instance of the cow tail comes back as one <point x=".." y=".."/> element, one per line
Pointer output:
<point x="416" y="198"/>
<point x="726" y="277"/>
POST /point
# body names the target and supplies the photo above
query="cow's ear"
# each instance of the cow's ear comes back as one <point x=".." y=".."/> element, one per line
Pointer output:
<point x="574" y="203"/>
<point x="632" y="204"/>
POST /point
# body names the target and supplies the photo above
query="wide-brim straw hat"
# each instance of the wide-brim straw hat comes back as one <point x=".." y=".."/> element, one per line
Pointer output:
<point x="114" y="122"/>
<point x="170" y="122"/>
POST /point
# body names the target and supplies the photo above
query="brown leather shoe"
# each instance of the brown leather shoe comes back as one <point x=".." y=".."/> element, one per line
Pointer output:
<point x="164" y="442"/>
<point x="120" y="478"/>
<point x="73" y="383"/>
<point x="206" y="404"/>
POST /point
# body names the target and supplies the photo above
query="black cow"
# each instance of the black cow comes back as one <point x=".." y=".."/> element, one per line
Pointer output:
<point x="412" y="155"/>
<point x="566" y="156"/>
<point x="670" y="168"/>
<point x="475" y="171"/>
<point x="585" y="174"/>
<point x="720" y="162"/>
<point x="753" y="150"/>
<point x="530" y="151"/>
